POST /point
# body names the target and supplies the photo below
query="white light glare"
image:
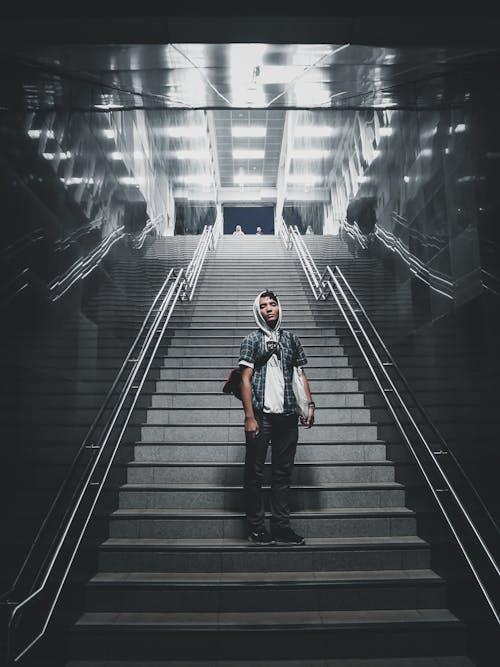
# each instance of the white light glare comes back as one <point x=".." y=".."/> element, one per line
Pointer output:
<point x="77" y="180"/>
<point x="406" y="179"/>
<point x="130" y="180"/>
<point x="244" y="131"/>
<point x="137" y="155"/>
<point x="106" y="107"/>
<point x="36" y="134"/>
<point x="53" y="156"/>
<point x="248" y="154"/>
<point x="461" y="127"/>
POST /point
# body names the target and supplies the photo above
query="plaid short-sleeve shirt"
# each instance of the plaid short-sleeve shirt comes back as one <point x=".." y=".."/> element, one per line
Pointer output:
<point x="292" y="354"/>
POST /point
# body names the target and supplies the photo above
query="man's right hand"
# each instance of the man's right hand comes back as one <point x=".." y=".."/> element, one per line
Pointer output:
<point x="251" y="427"/>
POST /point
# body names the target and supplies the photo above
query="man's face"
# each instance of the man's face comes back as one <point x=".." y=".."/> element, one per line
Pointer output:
<point x="269" y="310"/>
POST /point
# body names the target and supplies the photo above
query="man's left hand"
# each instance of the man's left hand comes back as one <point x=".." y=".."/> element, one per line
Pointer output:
<point x="307" y="423"/>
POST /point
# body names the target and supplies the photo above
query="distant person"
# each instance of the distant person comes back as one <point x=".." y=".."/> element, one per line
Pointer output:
<point x="309" y="230"/>
<point x="258" y="231"/>
<point x="238" y="231"/>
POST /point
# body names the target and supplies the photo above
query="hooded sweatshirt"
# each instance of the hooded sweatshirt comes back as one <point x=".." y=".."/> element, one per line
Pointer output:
<point x="274" y="395"/>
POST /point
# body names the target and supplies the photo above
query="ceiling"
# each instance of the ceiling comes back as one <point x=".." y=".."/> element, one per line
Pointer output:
<point x="265" y="106"/>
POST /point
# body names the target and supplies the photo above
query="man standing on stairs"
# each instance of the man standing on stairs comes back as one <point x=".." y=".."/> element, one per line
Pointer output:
<point x="271" y="417"/>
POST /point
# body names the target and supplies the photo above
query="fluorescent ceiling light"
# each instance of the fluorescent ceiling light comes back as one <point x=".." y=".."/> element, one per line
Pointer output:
<point x="248" y="131"/>
<point x="53" y="156"/>
<point x="106" y="107"/>
<point x="130" y="180"/>
<point x="36" y="134"/>
<point x="309" y="154"/>
<point x="248" y="154"/>
<point x="250" y="179"/>
<point x="137" y="155"/>
<point x="314" y="131"/>
<point x="190" y="131"/>
<point x="77" y="180"/>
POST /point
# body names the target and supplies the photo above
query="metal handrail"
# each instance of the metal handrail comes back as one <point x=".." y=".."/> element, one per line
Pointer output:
<point x="181" y="285"/>
<point x="326" y="284"/>
<point x="87" y="444"/>
<point x="193" y="271"/>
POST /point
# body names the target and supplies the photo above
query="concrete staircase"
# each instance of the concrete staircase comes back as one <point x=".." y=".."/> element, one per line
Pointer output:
<point x="176" y="579"/>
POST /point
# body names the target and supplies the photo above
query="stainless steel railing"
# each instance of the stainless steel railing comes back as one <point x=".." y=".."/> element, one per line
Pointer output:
<point x="435" y="461"/>
<point x="44" y="572"/>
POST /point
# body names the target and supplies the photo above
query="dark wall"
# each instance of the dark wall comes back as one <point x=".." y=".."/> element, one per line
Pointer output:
<point x="249" y="217"/>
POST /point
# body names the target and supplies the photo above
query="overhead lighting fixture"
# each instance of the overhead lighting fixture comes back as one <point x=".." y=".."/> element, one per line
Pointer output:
<point x="460" y="128"/>
<point x="314" y="131"/>
<point x="187" y="131"/>
<point x="53" y="156"/>
<point x="77" y="181"/>
<point x="36" y="134"/>
<point x="248" y="154"/>
<point x="248" y="131"/>
<point x="108" y="107"/>
<point x="130" y="180"/>
<point x="310" y="154"/>
<point x="137" y="155"/>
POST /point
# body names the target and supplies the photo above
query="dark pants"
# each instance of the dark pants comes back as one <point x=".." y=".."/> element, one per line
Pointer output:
<point x="282" y="432"/>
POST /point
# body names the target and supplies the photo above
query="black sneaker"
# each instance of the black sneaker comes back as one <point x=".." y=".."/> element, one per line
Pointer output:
<point x="260" y="536"/>
<point x="286" y="535"/>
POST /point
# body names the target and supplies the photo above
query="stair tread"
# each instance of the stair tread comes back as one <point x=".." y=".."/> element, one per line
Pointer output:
<point x="237" y="487"/>
<point x="271" y="620"/>
<point x="262" y="578"/>
<point x="221" y="513"/>
<point x="234" y="543"/>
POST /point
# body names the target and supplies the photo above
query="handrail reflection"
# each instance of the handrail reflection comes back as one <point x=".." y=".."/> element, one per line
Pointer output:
<point x="173" y="289"/>
<point x="321" y="287"/>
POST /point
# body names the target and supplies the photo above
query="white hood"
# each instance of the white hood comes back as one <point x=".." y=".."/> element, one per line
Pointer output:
<point x="271" y="333"/>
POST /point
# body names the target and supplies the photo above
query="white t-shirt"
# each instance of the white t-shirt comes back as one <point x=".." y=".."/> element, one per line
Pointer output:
<point x="274" y="393"/>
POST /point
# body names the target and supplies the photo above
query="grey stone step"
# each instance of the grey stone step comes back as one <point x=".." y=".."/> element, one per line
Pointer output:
<point x="215" y="385"/>
<point x="147" y="451"/>
<point x="219" y="400"/>
<point x="302" y="497"/>
<point x="182" y="524"/>
<point x="136" y="635"/>
<point x="237" y="555"/>
<point x="303" y="473"/>
<point x="232" y="357"/>
<point x="251" y="591"/>
<point x="221" y="372"/>
<point x="203" y="432"/>
<point x="230" y="416"/>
